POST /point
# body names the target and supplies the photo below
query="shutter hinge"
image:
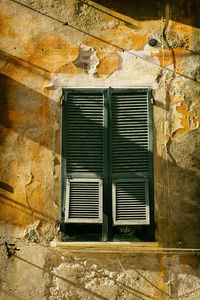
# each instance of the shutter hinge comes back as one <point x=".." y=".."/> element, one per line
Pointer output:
<point x="152" y="101"/>
<point x="61" y="99"/>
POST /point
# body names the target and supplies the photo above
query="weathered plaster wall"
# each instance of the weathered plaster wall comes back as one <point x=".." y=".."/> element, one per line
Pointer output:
<point x="33" y="271"/>
<point x="102" y="45"/>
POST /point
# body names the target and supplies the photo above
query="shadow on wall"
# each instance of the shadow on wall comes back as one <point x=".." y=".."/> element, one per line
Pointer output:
<point x="27" y="133"/>
<point x="180" y="11"/>
<point x="31" y="116"/>
<point x="115" y="267"/>
<point x="133" y="283"/>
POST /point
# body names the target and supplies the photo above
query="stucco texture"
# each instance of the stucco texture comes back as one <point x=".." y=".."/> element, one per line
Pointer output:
<point x="48" y="45"/>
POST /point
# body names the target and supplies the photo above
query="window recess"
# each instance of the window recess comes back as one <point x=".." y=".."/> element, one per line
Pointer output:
<point x="107" y="165"/>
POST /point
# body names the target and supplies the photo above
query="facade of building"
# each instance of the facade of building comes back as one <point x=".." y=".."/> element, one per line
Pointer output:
<point x="99" y="98"/>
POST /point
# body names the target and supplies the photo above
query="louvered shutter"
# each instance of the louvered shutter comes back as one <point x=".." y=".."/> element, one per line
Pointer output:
<point x="130" y="157"/>
<point x="131" y="201"/>
<point x="84" y="201"/>
<point x="84" y="138"/>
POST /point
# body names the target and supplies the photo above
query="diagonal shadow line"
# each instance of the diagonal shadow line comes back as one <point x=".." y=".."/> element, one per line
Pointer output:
<point x="142" y="277"/>
<point x="134" y="291"/>
<point x="186" y="294"/>
<point x="20" y="60"/>
<point x="109" y="14"/>
<point x="23" y="206"/>
<point x="131" y="290"/>
<point x="6" y="187"/>
<point x="106" y="42"/>
<point x="186" y="14"/>
<point x="79" y="285"/>
<point x="163" y="292"/>
<point x="125" y="286"/>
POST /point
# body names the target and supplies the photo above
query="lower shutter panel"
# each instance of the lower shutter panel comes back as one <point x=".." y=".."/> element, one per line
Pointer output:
<point x="84" y="201"/>
<point x="131" y="202"/>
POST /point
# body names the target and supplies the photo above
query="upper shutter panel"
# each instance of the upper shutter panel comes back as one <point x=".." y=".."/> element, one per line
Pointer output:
<point x="130" y="132"/>
<point x="84" y="115"/>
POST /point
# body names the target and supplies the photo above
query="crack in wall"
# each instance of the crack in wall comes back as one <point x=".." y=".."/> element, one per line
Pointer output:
<point x="27" y="201"/>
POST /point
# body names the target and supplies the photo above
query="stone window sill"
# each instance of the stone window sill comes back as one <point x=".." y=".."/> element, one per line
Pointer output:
<point x="108" y="246"/>
<point x="122" y="247"/>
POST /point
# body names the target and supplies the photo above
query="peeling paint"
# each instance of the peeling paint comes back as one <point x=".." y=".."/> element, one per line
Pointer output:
<point x="103" y="45"/>
<point x="87" y="59"/>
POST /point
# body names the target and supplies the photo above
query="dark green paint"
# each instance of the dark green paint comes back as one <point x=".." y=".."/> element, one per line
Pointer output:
<point x="107" y="160"/>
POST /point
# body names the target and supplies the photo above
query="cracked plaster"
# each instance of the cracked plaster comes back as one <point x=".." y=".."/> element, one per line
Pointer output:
<point x="42" y="57"/>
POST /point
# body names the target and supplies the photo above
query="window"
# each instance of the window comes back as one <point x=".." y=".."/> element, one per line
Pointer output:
<point x="107" y="165"/>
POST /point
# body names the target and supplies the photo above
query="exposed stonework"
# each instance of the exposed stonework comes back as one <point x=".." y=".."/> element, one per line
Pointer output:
<point x="174" y="40"/>
<point x="87" y="59"/>
<point x="65" y="275"/>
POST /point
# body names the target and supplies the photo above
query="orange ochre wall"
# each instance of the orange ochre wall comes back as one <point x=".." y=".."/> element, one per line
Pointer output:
<point x="48" y="45"/>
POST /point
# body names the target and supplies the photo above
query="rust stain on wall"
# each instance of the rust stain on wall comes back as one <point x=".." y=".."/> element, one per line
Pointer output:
<point x="189" y="260"/>
<point x="161" y="284"/>
<point x="128" y="39"/>
<point x="183" y="109"/>
<point x="165" y="57"/>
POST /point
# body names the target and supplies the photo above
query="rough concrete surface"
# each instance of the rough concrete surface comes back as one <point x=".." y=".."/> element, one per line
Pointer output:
<point x="34" y="271"/>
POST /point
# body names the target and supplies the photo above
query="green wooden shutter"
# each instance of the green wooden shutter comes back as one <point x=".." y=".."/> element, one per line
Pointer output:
<point x="84" y="201"/>
<point x="131" y="201"/>
<point x="130" y="156"/>
<point x="118" y="168"/>
<point x="83" y="111"/>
